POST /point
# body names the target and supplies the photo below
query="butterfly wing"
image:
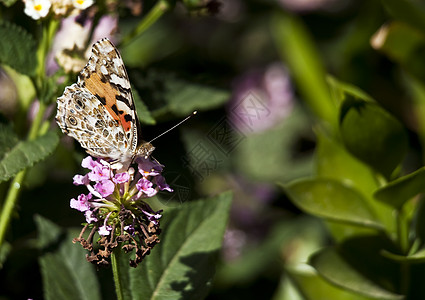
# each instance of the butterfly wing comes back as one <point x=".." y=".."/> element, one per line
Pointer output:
<point x="106" y="78"/>
<point x="99" y="109"/>
<point x="81" y="116"/>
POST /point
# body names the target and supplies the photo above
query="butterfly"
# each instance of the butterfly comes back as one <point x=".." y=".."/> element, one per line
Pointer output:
<point x="99" y="111"/>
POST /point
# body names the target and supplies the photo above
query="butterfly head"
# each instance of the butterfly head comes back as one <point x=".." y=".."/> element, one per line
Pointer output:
<point x="145" y="149"/>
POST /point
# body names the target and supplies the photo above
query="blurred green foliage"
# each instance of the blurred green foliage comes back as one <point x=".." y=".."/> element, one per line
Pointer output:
<point x="326" y="198"/>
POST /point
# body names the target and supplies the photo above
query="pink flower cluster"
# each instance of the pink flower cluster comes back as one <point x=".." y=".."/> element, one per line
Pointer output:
<point x="115" y="208"/>
<point x="110" y="190"/>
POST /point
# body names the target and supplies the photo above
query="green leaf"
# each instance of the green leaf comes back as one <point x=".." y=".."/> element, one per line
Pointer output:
<point x="333" y="200"/>
<point x="65" y="271"/>
<point x="26" y="153"/>
<point x="339" y="272"/>
<point x="340" y="90"/>
<point x="298" y="51"/>
<point x="182" y="265"/>
<point x="397" y="192"/>
<point x="17" y="49"/>
<point x="373" y="135"/>
<point x="184" y="97"/>
<point x="333" y="161"/>
<point x="8" y="139"/>
<point x="143" y="113"/>
<point x="171" y="95"/>
<point x="313" y="287"/>
<point x="416" y="258"/>
<point x="297" y="238"/>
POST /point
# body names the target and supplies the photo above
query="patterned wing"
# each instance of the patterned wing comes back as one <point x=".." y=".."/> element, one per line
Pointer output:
<point x="105" y="77"/>
<point x="98" y="110"/>
<point x="81" y="116"/>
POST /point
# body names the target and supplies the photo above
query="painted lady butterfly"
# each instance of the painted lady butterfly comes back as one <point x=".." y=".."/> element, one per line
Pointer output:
<point x="99" y="112"/>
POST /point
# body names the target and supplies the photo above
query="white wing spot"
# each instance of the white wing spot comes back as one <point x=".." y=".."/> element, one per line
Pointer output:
<point x="120" y="81"/>
<point x="103" y="70"/>
<point x="106" y="48"/>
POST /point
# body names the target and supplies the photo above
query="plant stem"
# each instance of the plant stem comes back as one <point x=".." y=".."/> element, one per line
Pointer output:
<point x="36" y="123"/>
<point x="115" y="272"/>
<point x="154" y="14"/>
<point x="16" y="184"/>
<point x="9" y="204"/>
<point x="402" y="231"/>
<point x="403" y="241"/>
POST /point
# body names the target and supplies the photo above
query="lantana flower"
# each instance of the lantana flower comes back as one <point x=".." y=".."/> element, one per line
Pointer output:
<point x="115" y="209"/>
<point x="37" y="9"/>
<point x="70" y="46"/>
<point x="82" y="4"/>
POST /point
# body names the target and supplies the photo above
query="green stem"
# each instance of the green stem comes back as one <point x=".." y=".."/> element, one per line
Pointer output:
<point x="154" y="14"/>
<point x="36" y="123"/>
<point x="15" y="185"/>
<point x="35" y="130"/>
<point x="9" y="204"/>
<point x="402" y="231"/>
<point x="116" y="275"/>
<point x="403" y="241"/>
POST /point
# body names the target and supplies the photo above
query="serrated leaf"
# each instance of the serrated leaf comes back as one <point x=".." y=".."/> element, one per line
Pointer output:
<point x="372" y="135"/>
<point x="8" y="139"/>
<point x="17" y="48"/>
<point x="182" y="265"/>
<point x="330" y="199"/>
<point x="65" y="271"/>
<point x="397" y="192"/>
<point x="339" y="272"/>
<point x="26" y="153"/>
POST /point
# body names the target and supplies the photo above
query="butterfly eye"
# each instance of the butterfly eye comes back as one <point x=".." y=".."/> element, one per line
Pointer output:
<point x="72" y="121"/>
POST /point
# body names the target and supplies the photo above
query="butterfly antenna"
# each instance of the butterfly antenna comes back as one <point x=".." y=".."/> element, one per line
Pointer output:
<point x="178" y="124"/>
